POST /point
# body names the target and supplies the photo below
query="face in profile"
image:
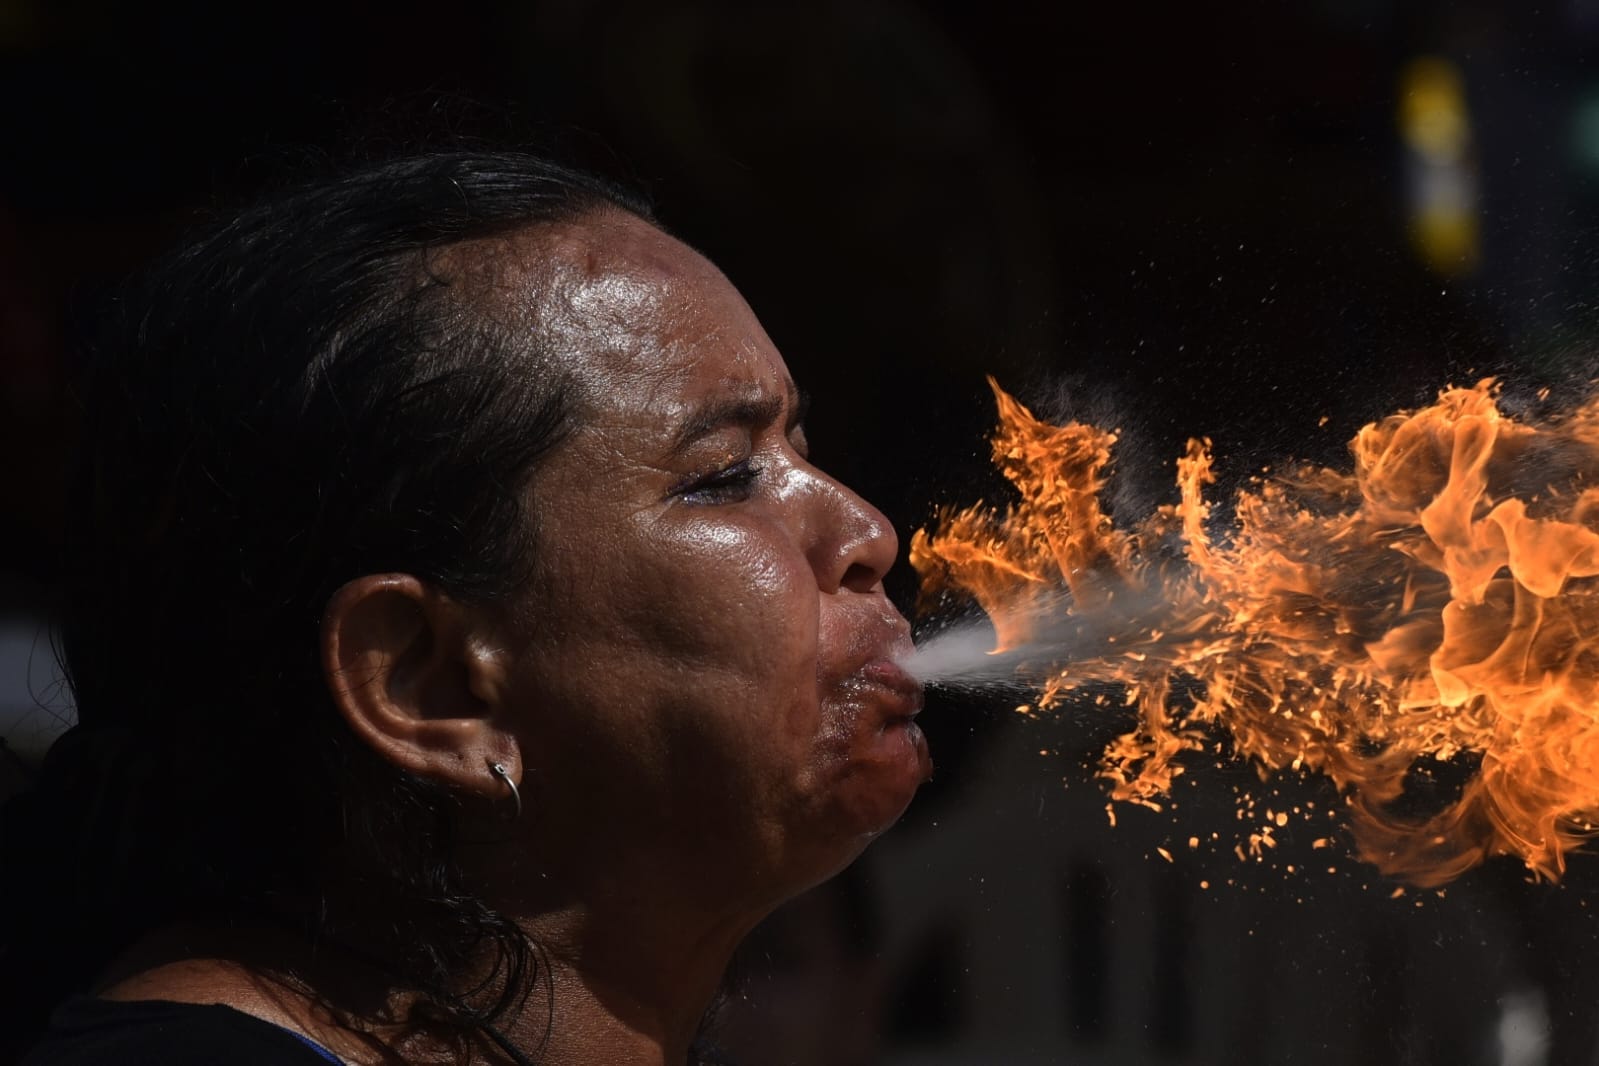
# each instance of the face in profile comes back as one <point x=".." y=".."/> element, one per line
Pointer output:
<point x="704" y="660"/>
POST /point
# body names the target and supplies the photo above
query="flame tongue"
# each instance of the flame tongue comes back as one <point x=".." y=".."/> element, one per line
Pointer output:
<point x="1436" y="602"/>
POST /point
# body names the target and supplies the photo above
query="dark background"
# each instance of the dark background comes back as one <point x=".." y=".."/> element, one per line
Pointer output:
<point x="1177" y="219"/>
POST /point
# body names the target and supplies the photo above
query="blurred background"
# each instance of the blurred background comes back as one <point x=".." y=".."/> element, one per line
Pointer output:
<point x="1264" y="223"/>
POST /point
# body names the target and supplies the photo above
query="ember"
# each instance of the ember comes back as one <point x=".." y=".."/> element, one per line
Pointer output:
<point x="1432" y="607"/>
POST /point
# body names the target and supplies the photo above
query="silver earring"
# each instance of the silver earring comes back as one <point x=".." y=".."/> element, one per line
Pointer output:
<point x="505" y="775"/>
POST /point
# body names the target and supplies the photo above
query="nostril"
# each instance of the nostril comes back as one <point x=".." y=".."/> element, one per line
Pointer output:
<point x="860" y="577"/>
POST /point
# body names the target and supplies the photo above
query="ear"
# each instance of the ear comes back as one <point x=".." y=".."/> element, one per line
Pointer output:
<point x="419" y="678"/>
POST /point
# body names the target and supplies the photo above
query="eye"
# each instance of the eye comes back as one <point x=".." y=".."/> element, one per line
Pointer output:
<point x="729" y="484"/>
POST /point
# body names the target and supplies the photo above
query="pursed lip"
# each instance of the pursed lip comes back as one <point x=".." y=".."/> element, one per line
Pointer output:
<point x="878" y="645"/>
<point x="904" y="691"/>
<point x="890" y="698"/>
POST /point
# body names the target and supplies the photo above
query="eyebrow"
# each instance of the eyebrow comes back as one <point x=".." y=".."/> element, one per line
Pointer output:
<point x="748" y="412"/>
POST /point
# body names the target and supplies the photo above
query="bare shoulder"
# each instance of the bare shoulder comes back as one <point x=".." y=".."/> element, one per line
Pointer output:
<point x="245" y="970"/>
<point x="214" y="980"/>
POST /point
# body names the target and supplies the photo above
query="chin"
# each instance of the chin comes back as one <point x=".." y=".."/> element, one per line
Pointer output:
<point x="868" y="800"/>
<point x="882" y="779"/>
<point x="873" y="771"/>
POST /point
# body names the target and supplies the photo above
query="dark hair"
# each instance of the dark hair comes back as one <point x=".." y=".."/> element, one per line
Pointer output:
<point x="289" y="402"/>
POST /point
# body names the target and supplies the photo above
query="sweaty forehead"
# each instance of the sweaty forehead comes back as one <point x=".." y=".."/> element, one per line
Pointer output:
<point x="637" y="318"/>
<point x="605" y="263"/>
<point x="619" y="283"/>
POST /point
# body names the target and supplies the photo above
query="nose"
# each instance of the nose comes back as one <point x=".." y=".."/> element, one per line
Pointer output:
<point x="852" y="544"/>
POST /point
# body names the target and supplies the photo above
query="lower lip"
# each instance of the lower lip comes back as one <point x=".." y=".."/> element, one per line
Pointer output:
<point x="904" y="743"/>
<point x="898" y="731"/>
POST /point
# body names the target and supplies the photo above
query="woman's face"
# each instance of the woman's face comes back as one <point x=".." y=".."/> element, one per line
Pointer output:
<point x="704" y="669"/>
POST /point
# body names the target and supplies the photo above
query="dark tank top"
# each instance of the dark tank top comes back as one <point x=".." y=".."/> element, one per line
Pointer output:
<point x="101" y="1032"/>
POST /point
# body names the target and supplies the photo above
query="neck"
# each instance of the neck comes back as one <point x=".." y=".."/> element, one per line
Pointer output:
<point x="632" y="943"/>
<point x="619" y="987"/>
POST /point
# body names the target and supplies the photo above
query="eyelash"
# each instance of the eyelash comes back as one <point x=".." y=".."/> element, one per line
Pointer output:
<point x="727" y="485"/>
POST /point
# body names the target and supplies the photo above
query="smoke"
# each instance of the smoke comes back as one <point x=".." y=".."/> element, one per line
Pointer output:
<point x="963" y="654"/>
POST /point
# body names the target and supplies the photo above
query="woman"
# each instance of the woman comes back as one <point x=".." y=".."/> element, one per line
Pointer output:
<point x="466" y="654"/>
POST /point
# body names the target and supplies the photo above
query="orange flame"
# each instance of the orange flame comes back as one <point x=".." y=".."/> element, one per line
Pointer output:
<point x="1436" y="603"/>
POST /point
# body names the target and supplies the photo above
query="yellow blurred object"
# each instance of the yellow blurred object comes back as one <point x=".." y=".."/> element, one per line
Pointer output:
<point x="1435" y="126"/>
<point x="1432" y="110"/>
<point x="1449" y="241"/>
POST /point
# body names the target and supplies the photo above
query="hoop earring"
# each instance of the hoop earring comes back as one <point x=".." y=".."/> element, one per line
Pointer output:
<point x="499" y="770"/>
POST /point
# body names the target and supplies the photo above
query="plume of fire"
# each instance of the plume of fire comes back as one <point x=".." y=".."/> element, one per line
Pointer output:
<point x="1435" y="603"/>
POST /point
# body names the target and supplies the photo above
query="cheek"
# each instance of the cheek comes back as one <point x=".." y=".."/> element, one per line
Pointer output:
<point x="733" y="605"/>
<point x="710" y="632"/>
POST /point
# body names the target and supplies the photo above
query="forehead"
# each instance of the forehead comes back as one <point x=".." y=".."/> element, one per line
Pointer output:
<point x="637" y="319"/>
